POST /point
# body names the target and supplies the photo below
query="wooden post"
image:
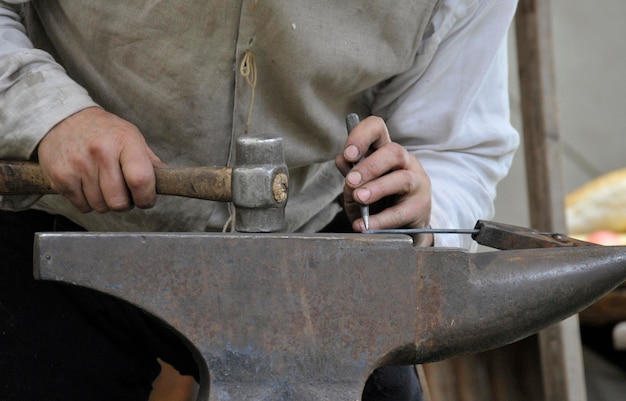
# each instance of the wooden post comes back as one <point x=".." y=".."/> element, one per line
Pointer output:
<point x="512" y="372"/>
<point x="560" y="348"/>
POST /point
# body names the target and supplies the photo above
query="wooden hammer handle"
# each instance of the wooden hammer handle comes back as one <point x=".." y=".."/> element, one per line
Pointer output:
<point x="211" y="183"/>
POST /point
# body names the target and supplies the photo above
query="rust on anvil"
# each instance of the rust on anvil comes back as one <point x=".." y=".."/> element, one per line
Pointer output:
<point x="23" y="178"/>
<point x="308" y="317"/>
<point x="505" y="236"/>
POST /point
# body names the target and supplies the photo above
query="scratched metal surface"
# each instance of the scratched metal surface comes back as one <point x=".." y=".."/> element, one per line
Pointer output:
<point x="270" y="315"/>
<point x="308" y="317"/>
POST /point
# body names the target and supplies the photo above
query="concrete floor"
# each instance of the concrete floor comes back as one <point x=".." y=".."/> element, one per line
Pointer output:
<point x="590" y="57"/>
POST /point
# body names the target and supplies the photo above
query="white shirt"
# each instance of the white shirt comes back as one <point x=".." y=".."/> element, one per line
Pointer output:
<point x="449" y="107"/>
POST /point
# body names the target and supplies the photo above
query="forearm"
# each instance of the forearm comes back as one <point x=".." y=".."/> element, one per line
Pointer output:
<point x="35" y="91"/>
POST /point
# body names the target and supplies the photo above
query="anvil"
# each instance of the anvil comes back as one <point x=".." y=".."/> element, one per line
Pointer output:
<point x="309" y="317"/>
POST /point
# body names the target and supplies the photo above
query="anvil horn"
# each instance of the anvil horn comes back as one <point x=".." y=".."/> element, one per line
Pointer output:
<point x="308" y="317"/>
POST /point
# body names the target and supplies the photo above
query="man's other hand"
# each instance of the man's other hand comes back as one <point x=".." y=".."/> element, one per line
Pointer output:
<point x="389" y="179"/>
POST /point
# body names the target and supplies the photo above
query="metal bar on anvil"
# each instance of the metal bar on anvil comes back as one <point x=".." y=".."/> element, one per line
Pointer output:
<point x="308" y="317"/>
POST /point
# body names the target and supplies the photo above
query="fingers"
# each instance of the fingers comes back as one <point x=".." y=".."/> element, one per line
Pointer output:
<point x="409" y="209"/>
<point x="371" y="133"/>
<point x="388" y="158"/>
<point x="99" y="162"/>
<point x="388" y="178"/>
<point x="138" y="171"/>
<point x="75" y="190"/>
<point x="405" y="195"/>
<point x="114" y="194"/>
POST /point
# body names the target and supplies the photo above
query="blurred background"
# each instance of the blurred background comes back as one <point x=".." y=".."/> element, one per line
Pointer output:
<point x="590" y="60"/>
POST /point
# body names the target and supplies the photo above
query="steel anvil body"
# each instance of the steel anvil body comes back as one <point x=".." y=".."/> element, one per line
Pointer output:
<point x="308" y="317"/>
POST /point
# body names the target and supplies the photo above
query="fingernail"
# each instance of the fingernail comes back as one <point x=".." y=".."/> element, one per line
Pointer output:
<point x="362" y="227"/>
<point x="363" y="195"/>
<point x="354" y="178"/>
<point x="351" y="152"/>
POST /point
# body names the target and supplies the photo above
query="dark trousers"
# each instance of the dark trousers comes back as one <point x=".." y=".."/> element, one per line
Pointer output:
<point x="60" y="342"/>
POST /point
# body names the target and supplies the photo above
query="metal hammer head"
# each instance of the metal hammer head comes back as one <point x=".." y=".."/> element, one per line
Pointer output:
<point x="259" y="185"/>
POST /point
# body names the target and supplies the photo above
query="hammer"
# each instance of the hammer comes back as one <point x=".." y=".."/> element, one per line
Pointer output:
<point x="257" y="185"/>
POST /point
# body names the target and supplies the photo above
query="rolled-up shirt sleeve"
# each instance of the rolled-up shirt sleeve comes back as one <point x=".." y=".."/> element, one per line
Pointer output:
<point x="452" y="112"/>
<point x="35" y="91"/>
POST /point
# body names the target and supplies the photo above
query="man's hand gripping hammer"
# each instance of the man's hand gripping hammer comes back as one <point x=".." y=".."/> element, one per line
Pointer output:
<point x="257" y="185"/>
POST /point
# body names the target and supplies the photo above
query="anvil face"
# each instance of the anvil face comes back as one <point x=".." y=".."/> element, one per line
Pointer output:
<point x="309" y="317"/>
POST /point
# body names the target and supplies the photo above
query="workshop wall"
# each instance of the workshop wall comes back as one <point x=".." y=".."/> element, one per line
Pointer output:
<point x="590" y="59"/>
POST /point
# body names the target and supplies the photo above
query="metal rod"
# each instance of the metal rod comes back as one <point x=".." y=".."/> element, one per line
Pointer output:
<point x="471" y="231"/>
